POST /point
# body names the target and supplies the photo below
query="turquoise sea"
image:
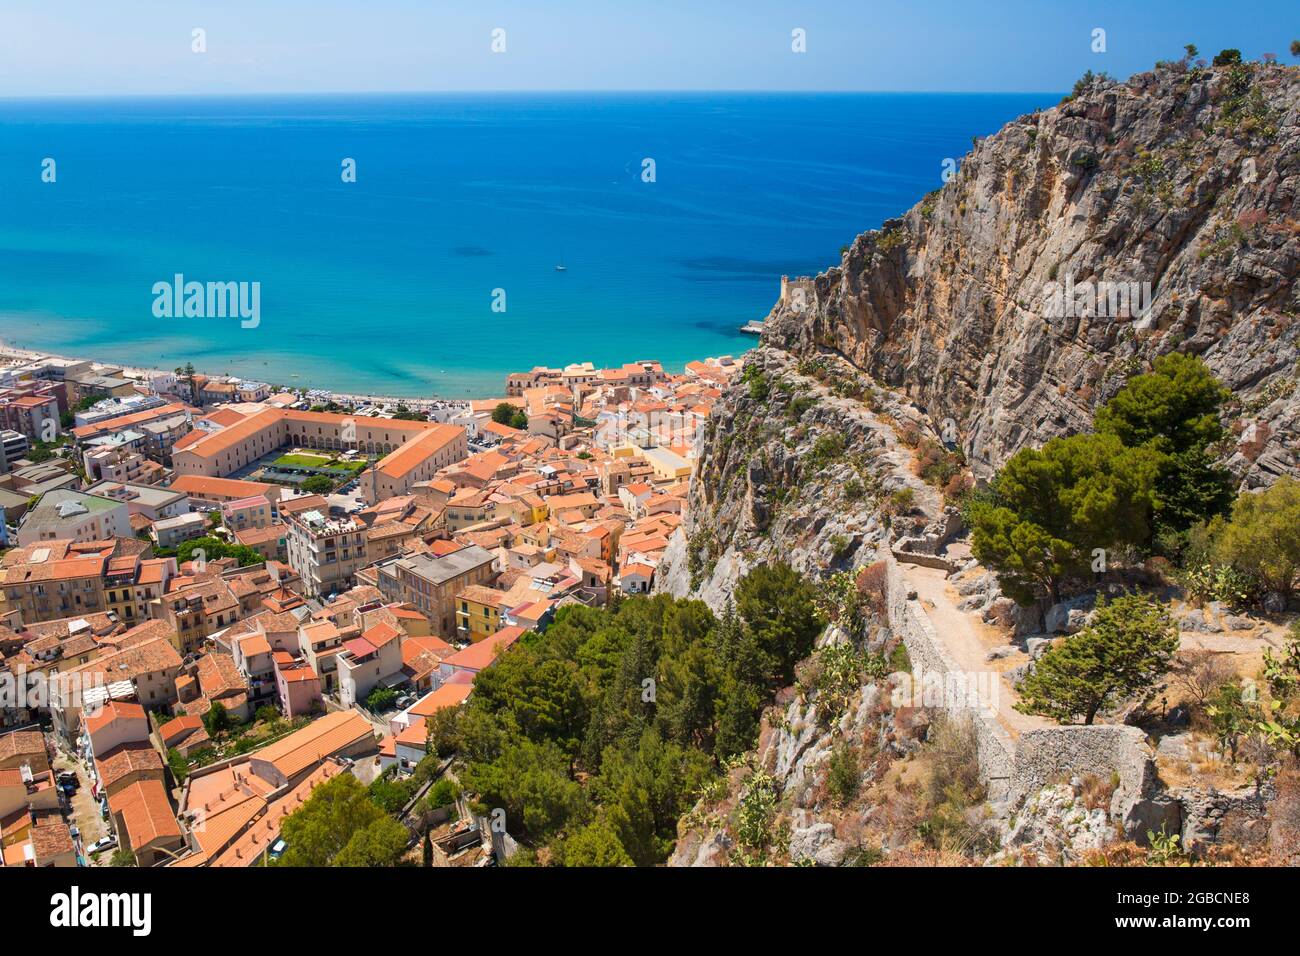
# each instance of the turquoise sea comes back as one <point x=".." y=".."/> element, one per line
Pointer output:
<point x="386" y="284"/>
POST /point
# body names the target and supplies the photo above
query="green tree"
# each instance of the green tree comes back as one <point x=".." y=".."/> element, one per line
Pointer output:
<point x="778" y="607"/>
<point x="339" y="825"/>
<point x="1262" y="538"/>
<point x="404" y="413"/>
<point x="444" y="731"/>
<point x="1052" y="507"/>
<point x="122" y="857"/>
<point x="651" y="785"/>
<point x="1174" y="410"/>
<point x="381" y="698"/>
<point x="519" y="420"/>
<point x="1228" y="57"/>
<point x="217" y="720"/>
<point x="180" y="767"/>
<point x="531" y="783"/>
<point x="595" y="844"/>
<point x="1173" y="407"/>
<point x="389" y="794"/>
<point x="1128" y="646"/>
<point x="186" y="374"/>
<point x="503" y="413"/>
<point x="317" y="484"/>
<point x="215" y="548"/>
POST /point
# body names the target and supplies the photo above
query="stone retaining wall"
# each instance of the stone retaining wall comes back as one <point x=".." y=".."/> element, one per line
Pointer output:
<point x="908" y="620"/>
<point x="1011" y="769"/>
<point x="926" y="560"/>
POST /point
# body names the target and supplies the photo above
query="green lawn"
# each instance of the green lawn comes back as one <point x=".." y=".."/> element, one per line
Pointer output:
<point x="301" y="461"/>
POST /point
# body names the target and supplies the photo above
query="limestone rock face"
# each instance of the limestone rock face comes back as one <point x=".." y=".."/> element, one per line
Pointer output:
<point x="960" y="303"/>
<point x="794" y="475"/>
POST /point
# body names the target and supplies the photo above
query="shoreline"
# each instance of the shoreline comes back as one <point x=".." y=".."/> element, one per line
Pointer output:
<point x="142" y="373"/>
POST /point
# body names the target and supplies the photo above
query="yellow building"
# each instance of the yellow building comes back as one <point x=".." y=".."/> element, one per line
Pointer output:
<point x="478" y="612"/>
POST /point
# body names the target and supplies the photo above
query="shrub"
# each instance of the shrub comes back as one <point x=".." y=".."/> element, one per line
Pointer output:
<point x="381" y="698"/>
<point x="1262" y="538"/>
<point x="873" y="585"/>
<point x="442" y="793"/>
<point x="954" y="790"/>
<point x="756" y="811"/>
<point x="826" y="449"/>
<point x="1199" y="674"/>
<point x="844" y="772"/>
<point x="900" y="501"/>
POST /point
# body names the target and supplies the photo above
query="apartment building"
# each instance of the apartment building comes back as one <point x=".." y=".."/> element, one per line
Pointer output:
<point x="245" y="513"/>
<point x="172" y="532"/>
<point x="369" y="661"/>
<point x="151" y="501"/>
<point x="214" y="492"/>
<point x="195" y="608"/>
<point x="36" y="416"/>
<point x="430" y="583"/>
<point x="14" y="446"/>
<point x="133" y="419"/>
<point x="64" y="514"/>
<point x="325" y="552"/>
<point x="49" y="583"/>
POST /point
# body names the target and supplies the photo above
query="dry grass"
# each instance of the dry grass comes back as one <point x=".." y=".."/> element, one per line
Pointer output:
<point x="1097" y="792"/>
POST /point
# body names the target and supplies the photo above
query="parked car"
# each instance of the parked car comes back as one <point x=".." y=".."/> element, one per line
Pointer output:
<point x="105" y="843"/>
<point x="69" y="776"/>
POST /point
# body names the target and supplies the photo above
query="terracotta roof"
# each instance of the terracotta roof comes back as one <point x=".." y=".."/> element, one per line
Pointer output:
<point x="146" y="813"/>
<point x="320" y="739"/>
<point x="480" y="655"/>
<point x="448" y="695"/>
<point x="126" y="759"/>
<point x="51" y="838"/>
<point x="179" y="728"/>
<point x="114" y="710"/>
<point x="224" y="487"/>
<point x="417" y="450"/>
<point x="381" y="633"/>
<point x="22" y="743"/>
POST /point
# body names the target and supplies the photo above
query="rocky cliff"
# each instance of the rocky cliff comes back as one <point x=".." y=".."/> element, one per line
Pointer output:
<point x="1073" y="247"/>
<point x="1070" y="250"/>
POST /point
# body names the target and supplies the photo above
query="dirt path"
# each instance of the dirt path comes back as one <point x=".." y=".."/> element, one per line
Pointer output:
<point x="968" y="641"/>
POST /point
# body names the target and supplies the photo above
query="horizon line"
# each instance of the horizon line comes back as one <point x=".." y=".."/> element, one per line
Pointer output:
<point x="566" y="91"/>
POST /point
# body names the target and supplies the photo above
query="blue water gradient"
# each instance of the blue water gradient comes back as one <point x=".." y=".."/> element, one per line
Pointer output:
<point x="386" y="285"/>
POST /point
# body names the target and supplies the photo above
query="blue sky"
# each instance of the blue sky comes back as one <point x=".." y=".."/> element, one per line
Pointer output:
<point x="80" y="47"/>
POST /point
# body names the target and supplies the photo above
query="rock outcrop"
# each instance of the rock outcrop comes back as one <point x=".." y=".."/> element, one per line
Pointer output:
<point x="1183" y="179"/>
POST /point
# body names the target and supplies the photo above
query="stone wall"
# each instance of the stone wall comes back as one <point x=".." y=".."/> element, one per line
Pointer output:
<point x="1012" y="769"/>
<point x="908" y="620"/>
<point x="1114" y="753"/>
<point x="926" y="560"/>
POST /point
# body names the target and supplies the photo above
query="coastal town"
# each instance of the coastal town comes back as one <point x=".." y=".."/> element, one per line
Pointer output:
<point x="217" y="595"/>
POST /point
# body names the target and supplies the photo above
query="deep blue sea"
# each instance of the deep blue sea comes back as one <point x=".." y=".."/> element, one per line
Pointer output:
<point x="387" y="284"/>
